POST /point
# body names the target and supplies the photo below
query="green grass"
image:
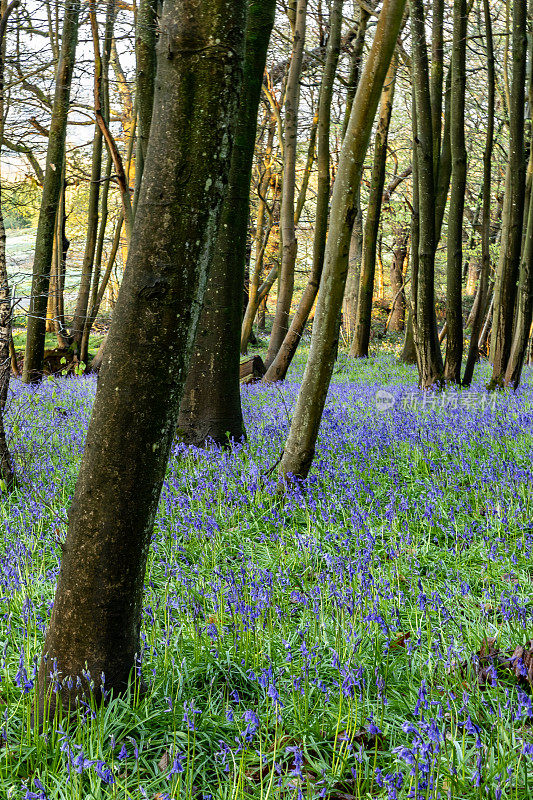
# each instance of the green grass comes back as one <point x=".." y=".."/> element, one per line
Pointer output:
<point x="361" y="602"/>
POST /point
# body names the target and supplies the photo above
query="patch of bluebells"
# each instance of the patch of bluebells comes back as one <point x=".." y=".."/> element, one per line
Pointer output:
<point x="291" y="616"/>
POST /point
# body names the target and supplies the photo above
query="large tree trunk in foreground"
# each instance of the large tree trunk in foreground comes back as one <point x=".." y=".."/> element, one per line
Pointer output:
<point x="280" y="326"/>
<point x="511" y="242"/>
<point x="424" y="321"/>
<point x="211" y="403"/>
<point x="482" y="290"/>
<point x="363" y="316"/>
<point x="44" y="241"/>
<point x="454" y="275"/>
<point x="96" y="616"/>
<point x="300" y="446"/>
<point x="278" y="368"/>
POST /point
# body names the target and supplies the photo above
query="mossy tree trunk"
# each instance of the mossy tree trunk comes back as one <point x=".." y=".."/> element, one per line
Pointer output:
<point x="96" y="616"/>
<point x="211" y="403"/>
<point x="424" y="320"/>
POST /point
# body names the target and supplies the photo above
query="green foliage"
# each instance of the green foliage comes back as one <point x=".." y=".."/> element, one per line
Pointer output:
<point x="20" y="204"/>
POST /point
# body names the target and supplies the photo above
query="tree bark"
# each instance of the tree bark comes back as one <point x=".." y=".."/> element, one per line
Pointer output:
<point x="300" y="446"/>
<point x="101" y="68"/>
<point x="396" y="320"/>
<point x="7" y="473"/>
<point x="278" y="368"/>
<point x="454" y="269"/>
<point x="354" y="270"/>
<point x="211" y="403"/>
<point x="509" y="262"/>
<point x="96" y="615"/>
<point x="363" y="316"/>
<point x="524" y="310"/>
<point x="483" y="284"/>
<point x="44" y="241"/>
<point x="280" y="325"/>
<point x="424" y="320"/>
<point x="145" y="69"/>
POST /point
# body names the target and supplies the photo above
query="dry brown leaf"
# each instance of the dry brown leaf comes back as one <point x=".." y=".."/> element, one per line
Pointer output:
<point x="164" y="762"/>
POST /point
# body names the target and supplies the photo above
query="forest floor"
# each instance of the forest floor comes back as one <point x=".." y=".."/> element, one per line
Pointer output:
<point x="359" y="638"/>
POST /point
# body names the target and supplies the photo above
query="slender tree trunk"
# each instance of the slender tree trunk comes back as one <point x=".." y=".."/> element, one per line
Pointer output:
<point x="278" y="368"/>
<point x="95" y="308"/>
<point x="409" y="353"/>
<point x="58" y="270"/>
<point x="356" y="242"/>
<point x="425" y="325"/>
<point x="96" y="616"/>
<point x="91" y="315"/>
<point x="436" y="81"/>
<point x="101" y="77"/>
<point x="263" y="229"/>
<point x="508" y="266"/>
<point x="7" y="473"/>
<point x="354" y="270"/>
<point x="445" y="164"/>
<point x="44" y="241"/>
<point x="363" y="317"/>
<point x="280" y="325"/>
<point x="80" y="312"/>
<point x="355" y="66"/>
<point x="211" y="403"/>
<point x="524" y="310"/>
<point x="396" y="320"/>
<point x="300" y="446"/>
<point x="454" y="277"/>
<point x="145" y="69"/>
<point x="481" y="295"/>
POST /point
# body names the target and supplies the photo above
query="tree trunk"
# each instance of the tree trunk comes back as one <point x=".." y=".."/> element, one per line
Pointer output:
<point x="278" y="368"/>
<point x="363" y="316"/>
<point x="445" y="164"/>
<point x="300" y="446"/>
<point x="436" y="81"/>
<point x="481" y="295"/>
<point x="145" y="69"/>
<point x="211" y="403"/>
<point x="280" y="325"/>
<point x="44" y="241"/>
<point x="508" y="266"/>
<point x="354" y="270"/>
<point x="7" y="473"/>
<point x="96" y="615"/>
<point x="454" y="272"/>
<point x="91" y="241"/>
<point x="424" y="321"/>
<point x="396" y="320"/>
<point x="524" y="311"/>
